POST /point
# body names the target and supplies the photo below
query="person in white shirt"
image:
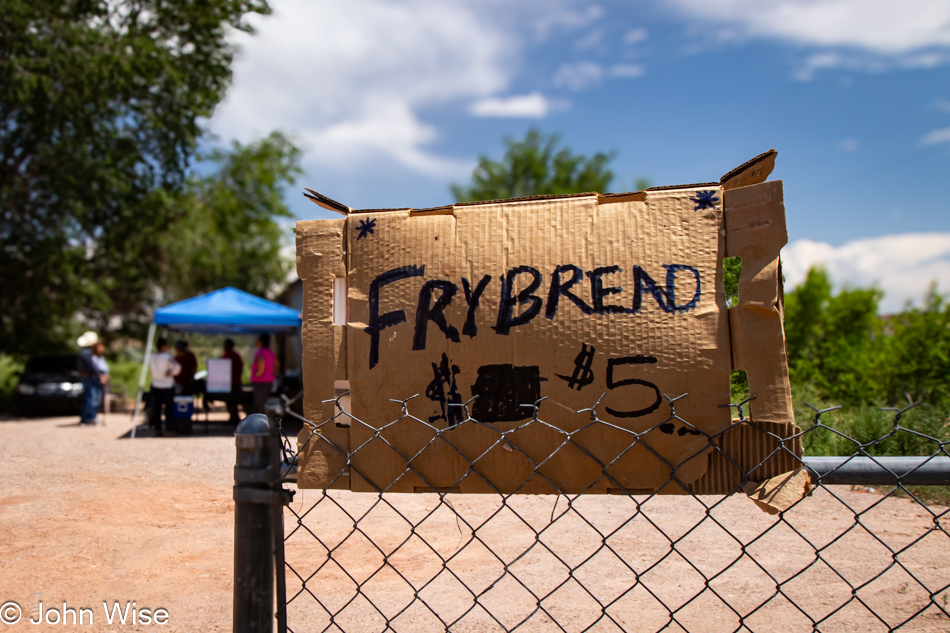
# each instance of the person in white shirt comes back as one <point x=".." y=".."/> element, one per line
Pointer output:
<point x="164" y="369"/>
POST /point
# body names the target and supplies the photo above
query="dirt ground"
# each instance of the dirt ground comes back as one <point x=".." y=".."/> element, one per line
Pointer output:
<point x="673" y="544"/>
<point x="87" y="515"/>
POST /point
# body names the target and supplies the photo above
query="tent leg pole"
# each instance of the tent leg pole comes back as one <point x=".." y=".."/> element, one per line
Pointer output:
<point x="142" y="376"/>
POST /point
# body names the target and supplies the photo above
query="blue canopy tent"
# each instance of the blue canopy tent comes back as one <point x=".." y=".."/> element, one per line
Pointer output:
<point x="228" y="310"/>
<point x="225" y="311"/>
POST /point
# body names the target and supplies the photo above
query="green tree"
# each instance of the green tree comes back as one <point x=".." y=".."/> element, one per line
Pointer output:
<point x="100" y="102"/>
<point x="834" y="341"/>
<point x="535" y="166"/>
<point x="731" y="271"/>
<point x="230" y="234"/>
<point x="916" y="352"/>
<point x="804" y="309"/>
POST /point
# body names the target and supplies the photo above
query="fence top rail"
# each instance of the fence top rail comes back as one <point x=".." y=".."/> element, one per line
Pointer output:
<point x="853" y="470"/>
<point x="880" y="471"/>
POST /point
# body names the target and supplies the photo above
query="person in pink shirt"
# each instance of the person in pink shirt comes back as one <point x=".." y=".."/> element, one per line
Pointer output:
<point x="263" y="372"/>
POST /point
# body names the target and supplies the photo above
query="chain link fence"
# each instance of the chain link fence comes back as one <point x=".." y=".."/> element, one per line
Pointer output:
<point x="864" y="550"/>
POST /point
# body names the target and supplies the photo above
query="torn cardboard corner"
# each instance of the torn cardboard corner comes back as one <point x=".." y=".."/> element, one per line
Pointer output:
<point x="614" y="299"/>
<point x="749" y="450"/>
<point x="780" y="493"/>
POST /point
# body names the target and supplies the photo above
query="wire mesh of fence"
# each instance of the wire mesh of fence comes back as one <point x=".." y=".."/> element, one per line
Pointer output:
<point x="839" y="558"/>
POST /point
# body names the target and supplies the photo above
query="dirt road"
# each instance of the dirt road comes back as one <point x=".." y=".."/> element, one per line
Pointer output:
<point x="87" y="516"/>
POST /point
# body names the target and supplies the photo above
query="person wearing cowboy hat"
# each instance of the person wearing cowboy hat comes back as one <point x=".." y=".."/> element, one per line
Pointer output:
<point x="89" y="374"/>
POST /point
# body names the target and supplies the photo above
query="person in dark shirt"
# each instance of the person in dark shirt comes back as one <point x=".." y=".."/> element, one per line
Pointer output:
<point x="189" y="366"/>
<point x="89" y="375"/>
<point x="237" y="369"/>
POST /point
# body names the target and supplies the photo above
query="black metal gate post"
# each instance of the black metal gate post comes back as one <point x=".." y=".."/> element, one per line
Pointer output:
<point x="275" y="412"/>
<point x="253" y="528"/>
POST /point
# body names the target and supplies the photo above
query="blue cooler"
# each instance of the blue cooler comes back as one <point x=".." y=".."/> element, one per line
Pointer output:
<point x="183" y="410"/>
<point x="184" y="407"/>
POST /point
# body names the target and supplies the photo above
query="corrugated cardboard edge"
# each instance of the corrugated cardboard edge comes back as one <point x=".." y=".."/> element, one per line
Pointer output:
<point x="780" y="493"/>
<point x="751" y="172"/>
<point x="756" y="232"/>
<point x="327" y="203"/>
<point x="320" y="260"/>
<point x="750" y="451"/>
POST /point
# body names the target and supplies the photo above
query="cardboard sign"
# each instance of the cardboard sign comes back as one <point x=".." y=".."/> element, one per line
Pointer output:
<point x="611" y="300"/>
<point x="219" y="375"/>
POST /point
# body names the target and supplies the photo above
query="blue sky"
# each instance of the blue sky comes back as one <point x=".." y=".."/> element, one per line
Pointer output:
<point x="394" y="101"/>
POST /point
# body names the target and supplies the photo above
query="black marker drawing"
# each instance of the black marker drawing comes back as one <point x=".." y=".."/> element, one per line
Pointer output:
<point x="365" y="228"/>
<point x="379" y="322"/>
<point x="671" y="270"/>
<point x="705" y="200"/>
<point x="582" y="375"/>
<point x="665" y="296"/>
<point x="506" y="318"/>
<point x="502" y="389"/>
<point x="444" y="376"/>
<point x="427" y="311"/>
<point x="643" y="281"/>
<point x="612" y="384"/>
<point x="472" y="297"/>
<point x="598" y="292"/>
<point x="559" y="289"/>
<point x="432" y="308"/>
<point x="669" y="428"/>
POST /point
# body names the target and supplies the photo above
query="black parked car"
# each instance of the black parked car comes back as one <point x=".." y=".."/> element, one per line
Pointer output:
<point x="49" y="385"/>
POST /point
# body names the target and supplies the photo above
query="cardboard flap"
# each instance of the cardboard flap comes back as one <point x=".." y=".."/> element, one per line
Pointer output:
<point x="751" y="172"/>
<point x="327" y="203"/>
<point x="755" y="231"/>
<point x="780" y="493"/>
<point x="321" y="260"/>
<point x="750" y="451"/>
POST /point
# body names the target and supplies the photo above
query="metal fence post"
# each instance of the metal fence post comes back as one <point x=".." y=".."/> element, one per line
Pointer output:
<point x="275" y="412"/>
<point x="253" y="528"/>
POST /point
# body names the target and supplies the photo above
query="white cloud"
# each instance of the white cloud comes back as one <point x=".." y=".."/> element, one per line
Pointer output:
<point x="933" y="137"/>
<point x="530" y="106"/>
<point x="350" y="78"/>
<point x="903" y="265"/>
<point x="882" y="26"/>
<point x="567" y="19"/>
<point x="876" y="33"/>
<point x="867" y="62"/>
<point x="578" y="76"/>
<point x="819" y="61"/>
<point x="635" y="36"/>
<point x="848" y="145"/>
<point x="627" y="70"/>
<point x="589" y="41"/>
